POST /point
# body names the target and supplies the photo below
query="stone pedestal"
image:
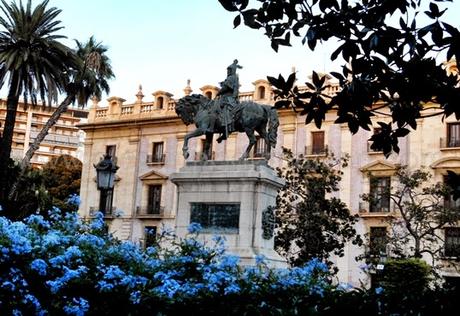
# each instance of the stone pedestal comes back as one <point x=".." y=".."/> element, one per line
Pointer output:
<point x="232" y="199"/>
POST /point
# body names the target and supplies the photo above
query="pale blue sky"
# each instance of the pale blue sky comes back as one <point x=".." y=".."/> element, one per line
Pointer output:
<point x="162" y="43"/>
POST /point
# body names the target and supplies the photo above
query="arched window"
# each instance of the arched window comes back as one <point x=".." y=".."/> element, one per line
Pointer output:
<point x="160" y="102"/>
<point x="261" y="92"/>
<point x="208" y="94"/>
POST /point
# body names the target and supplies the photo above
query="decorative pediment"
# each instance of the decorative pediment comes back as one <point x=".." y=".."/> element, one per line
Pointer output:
<point x="261" y="82"/>
<point x="162" y="93"/>
<point x="379" y="165"/>
<point x="209" y="87"/>
<point x="446" y="163"/>
<point x="153" y="175"/>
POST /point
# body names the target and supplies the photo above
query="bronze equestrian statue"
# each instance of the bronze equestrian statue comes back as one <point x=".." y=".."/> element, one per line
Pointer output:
<point x="226" y="114"/>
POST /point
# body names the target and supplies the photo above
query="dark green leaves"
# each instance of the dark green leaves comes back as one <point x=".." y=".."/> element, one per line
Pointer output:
<point x="387" y="63"/>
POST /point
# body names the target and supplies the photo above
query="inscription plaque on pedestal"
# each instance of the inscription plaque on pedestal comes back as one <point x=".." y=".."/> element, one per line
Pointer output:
<point x="216" y="218"/>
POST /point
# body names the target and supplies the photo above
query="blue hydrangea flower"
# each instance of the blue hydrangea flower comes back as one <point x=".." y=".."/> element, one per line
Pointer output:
<point x="260" y="260"/>
<point x="78" y="307"/>
<point x="194" y="228"/>
<point x="40" y="266"/>
<point x="135" y="297"/>
<point x="74" y="199"/>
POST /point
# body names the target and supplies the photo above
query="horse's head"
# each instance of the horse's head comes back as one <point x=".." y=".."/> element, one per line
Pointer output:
<point x="188" y="106"/>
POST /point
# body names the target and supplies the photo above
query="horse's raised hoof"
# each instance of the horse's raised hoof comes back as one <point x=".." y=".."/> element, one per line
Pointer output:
<point x="186" y="154"/>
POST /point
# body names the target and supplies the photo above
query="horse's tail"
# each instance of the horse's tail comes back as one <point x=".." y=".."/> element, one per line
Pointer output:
<point x="273" y="124"/>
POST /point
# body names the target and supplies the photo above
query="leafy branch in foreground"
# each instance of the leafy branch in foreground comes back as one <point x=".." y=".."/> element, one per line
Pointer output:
<point x="390" y="60"/>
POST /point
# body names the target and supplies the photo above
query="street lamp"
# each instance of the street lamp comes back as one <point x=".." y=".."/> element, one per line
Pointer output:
<point x="105" y="170"/>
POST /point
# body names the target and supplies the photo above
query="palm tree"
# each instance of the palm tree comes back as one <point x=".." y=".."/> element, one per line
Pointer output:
<point x="32" y="61"/>
<point x="89" y="80"/>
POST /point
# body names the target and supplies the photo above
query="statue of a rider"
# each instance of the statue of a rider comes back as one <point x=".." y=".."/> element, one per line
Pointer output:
<point x="228" y="101"/>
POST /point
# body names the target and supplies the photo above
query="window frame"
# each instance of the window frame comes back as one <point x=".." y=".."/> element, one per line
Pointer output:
<point x="376" y="194"/>
<point x="453" y="135"/>
<point x="453" y="240"/>
<point x="154" y="192"/>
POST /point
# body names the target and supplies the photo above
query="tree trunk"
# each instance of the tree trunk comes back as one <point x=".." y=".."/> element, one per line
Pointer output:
<point x="40" y="137"/>
<point x="44" y="131"/>
<point x="7" y="135"/>
<point x="417" y="253"/>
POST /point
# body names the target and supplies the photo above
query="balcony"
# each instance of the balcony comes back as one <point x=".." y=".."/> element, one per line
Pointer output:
<point x="156" y="159"/>
<point x="64" y="140"/>
<point x="258" y="154"/>
<point x="366" y="211"/>
<point x="199" y="154"/>
<point x="150" y="212"/>
<point x="316" y="151"/>
<point x="94" y="209"/>
<point x="449" y="143"/>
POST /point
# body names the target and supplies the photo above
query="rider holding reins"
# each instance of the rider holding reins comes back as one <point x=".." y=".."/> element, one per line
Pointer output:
<point x="229" y="98"/>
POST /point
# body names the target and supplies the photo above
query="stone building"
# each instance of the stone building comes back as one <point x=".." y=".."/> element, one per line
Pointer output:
<point x="146" y="137"/>
<point x="63" y="138"/>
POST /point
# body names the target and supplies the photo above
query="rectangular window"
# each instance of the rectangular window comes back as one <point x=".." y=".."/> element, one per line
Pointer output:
<point x="452" y="242"/>
<point x="157" y="153"/>
<point x="216" y="218"/>
<point x="380" y="194"/>
<point x="154" y="199"/>
<point x="150" y="236"/>
<point x="378" y="240"/>
<point x="105" y="201"/>
<point x="449" y="201"/>
<point x="111" y="150"/>
<point x="453" y="135"/>
<point x="317" y="143"/>
<point x="259" y="147"/>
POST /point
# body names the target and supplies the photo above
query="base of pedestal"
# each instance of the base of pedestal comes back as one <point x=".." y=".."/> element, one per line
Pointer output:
<point x="229" y="198"/>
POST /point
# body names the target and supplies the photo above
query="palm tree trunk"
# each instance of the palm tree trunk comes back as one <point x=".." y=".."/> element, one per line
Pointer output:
<point x="7" y="135"/>
<point x="40" y="137"/>
<point x="44" y="131"/>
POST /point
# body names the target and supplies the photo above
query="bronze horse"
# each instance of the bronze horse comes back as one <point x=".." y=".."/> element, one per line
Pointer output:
<point x="250" y="117"/>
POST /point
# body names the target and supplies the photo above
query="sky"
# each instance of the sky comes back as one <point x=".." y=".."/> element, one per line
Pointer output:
<point x="160" y="44"/>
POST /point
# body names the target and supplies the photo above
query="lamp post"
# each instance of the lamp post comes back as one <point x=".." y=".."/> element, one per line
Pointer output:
<point x="105" y="170"/>
<point x="105" y="178"/>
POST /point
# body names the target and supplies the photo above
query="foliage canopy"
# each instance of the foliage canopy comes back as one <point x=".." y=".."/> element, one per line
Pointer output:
<point x="389" y="55"/>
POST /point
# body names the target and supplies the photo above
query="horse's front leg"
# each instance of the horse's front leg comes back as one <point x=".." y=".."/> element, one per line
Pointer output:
<point x="195" y="133"/>
<point x="252" y="142"/>
<point x="207" y="154"/>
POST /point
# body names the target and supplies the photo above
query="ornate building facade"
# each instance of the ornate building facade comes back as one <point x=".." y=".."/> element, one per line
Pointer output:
<point x="63" y="138"/>
<point x="146" y="140"/>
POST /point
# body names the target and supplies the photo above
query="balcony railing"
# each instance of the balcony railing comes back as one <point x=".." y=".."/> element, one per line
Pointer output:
<point x="366" y="209"/>
<point x="57" y="139"/>
<point x="199" y="154"/>
<point x="94" y="209"/>
<point x="156" y="159"/>
<point x="259" y="154"/>
<point x="449" y="142"/>
<point x="315" y="151"/>
<point x="150" y="212"/>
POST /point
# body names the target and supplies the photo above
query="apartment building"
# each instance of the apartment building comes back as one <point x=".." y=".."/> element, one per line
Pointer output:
<point x="63" y="138"/>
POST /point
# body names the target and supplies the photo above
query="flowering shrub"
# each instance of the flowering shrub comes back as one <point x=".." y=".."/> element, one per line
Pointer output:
<point x="66" y="266"/>
<point x="63" y="265"/>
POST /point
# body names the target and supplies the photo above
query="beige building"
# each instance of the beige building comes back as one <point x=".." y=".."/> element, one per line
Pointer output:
<point x="63" y="138"/>
<point x="146" y="137"/>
